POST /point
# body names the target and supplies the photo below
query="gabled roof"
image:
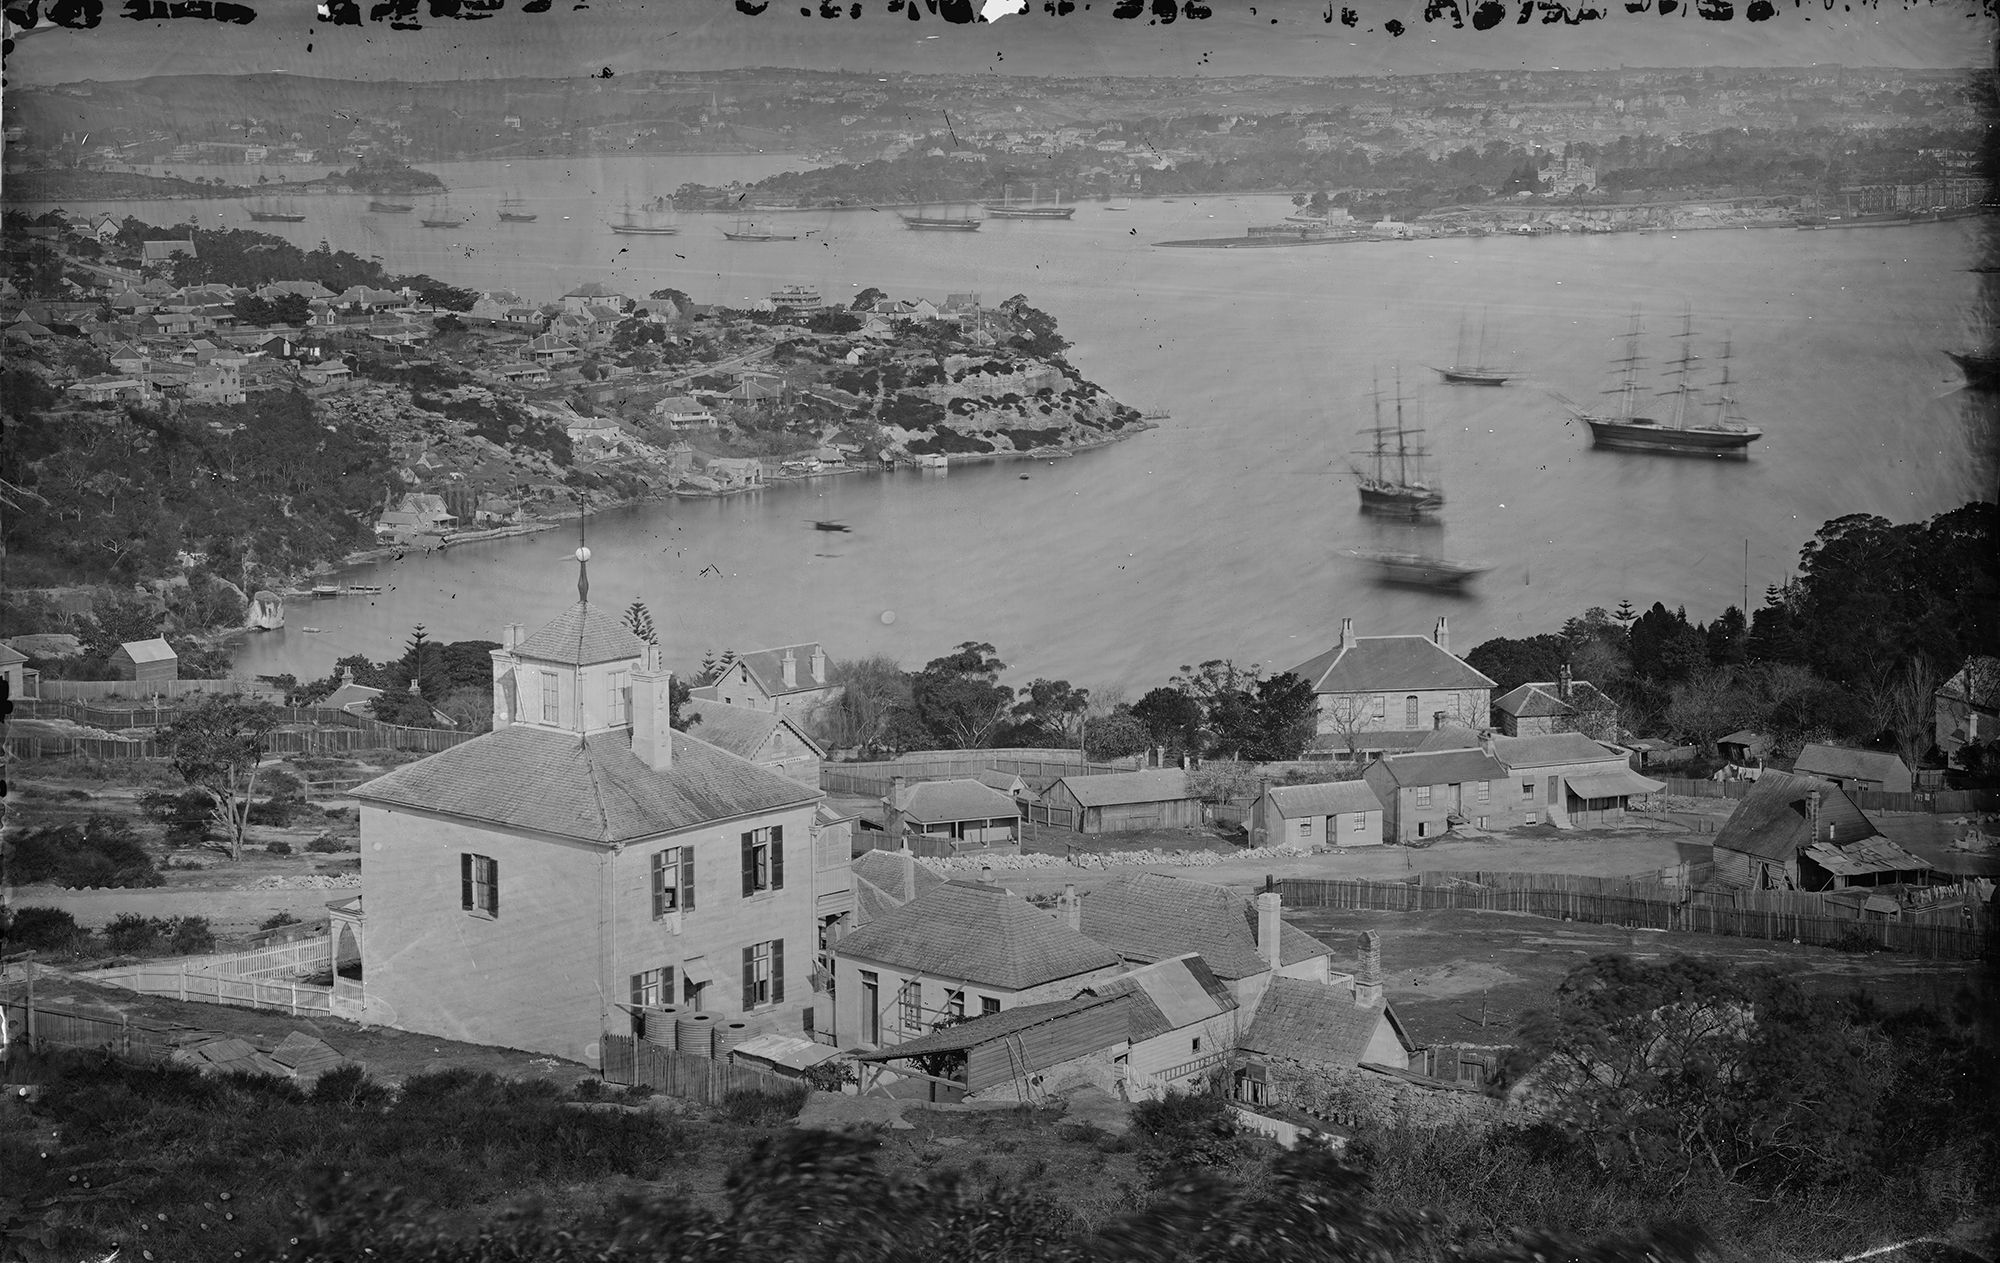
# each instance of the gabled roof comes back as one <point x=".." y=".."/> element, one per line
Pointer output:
<point x="1147" y="917"/>
<point x="1556" y="747"/>
<point x="1449" y="737"/>
<point x="1771" y="824"/>
<point x="742" y="730"/>
<point x="992" y="1027"/>
<point x="1112" y="789"/>
<point x="593" y="790"/>
<point x="1978" y="682"/>
<point x="1311" y="1021"/>
<point x="978" y="933"/>
<point x="767" y="666"/>
<point x="1331" y="798"/>
<point x="591" y="289"/>
<point x="941" y="802"/>
<point x="1168" y="995"/>
<point x="1746" y="738"/>
<point x="10" y="655"/>
<point x="582" y="635"/>
<point x="1442" y="767"/>
<point x="1543" y="698"/>
<point x="1388" y="664"/>
<point x="1846" y="764"/>
<point x="154" y="650"/>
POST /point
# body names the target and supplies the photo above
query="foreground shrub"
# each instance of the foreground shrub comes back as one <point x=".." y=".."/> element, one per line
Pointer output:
<point x="278" y="847"/>
<point x="326" y="844"/>
<point x="278" y="920"/>
<point x="1183" y="1132"/>
<point x="130" y="934"/>
<point x="43" y="930"/>
<point x="752" y="1107"/>
<point x="102" y="851"/>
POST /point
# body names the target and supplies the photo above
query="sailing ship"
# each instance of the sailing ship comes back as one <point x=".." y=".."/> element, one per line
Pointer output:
<point x="1982" y="372"/>
<point x="1396" y="482"/>
<point x="265" y="212"/>
<point x="391" y="208"/>
<point x="1007" y="208"/>
<point x="1423" y="570"/>
<point x="643" y="224"/>
<point x="442" y="217"/>
<point x="1477" y="372"/>
<point x="938" y="223"/>
<point x="1682" y="433"/>
<point x="747" y="231"/>
<point x="511" y="212"/>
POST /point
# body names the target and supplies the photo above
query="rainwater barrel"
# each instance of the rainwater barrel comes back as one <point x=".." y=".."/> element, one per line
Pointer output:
<point x="727" y="1036"/>
<point x="661" y="1027"/>
<point x="696" y="1033"/>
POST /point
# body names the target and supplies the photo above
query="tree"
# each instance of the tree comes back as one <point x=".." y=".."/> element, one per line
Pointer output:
<point x="639" y="621"/>
<point x="866" y="299"/>
<point x="1906" y="708"/>
<point x="1728" y="639"/>
<point x="1287" y="716"/>
<point x="872" y="710"/>
<point x="1708" y="704"/>
<point x="833" y="320"/>
<point x="958" y="699"/>
<point x="447" y="323"/>
<point x="215" y="745"/>
<point x="1173" y="719"/>
<point x="1512" y="663"/>
<point x="1049" y="713"/>
<point x="1118" y="735"/>
<point x="671" y="295"/>
<point x="1230" y="722"/>
<point x="117" y="620"/>
<point x="413" y="654"/>
<point x="1664" y="646"/>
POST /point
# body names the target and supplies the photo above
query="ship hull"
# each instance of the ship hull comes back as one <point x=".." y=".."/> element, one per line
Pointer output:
<point x="759" y="236"/>
<point x="941" y="225"/>
<point x="1982" y="372"/>
<point x="1400" y="502"/>
<point x="511" y="217"/>
<point x="273" y="217"/>
<point x="639" y="230"/>
<point x="1421" y="572"/>
<point x="1666" y="440"/>
<point x="1473" y="377"/>
<point x="1031" y="212"/>
<point x="390" y="208"/>
<point x="443" y="223"/>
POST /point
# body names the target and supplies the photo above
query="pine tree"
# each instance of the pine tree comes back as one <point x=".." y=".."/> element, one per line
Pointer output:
<point x="640" y="621"/>
<point x="1625" y="613"/>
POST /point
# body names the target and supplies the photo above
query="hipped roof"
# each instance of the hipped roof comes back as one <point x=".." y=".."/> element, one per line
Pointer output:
<point x="977" y="933"/>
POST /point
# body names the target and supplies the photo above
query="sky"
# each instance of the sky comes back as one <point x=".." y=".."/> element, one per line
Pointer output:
<point x="1290" y="37"/>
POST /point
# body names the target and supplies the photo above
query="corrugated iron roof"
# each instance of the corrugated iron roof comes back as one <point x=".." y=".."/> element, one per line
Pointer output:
<point x="1113" y="789"/>
<point x="1871" y="855"/>
<point x="154" y="650"/>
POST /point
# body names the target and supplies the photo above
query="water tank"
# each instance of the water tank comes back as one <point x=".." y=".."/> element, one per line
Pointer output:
<point x="727" y="1036"/>
<point x="662" y="1026"/>
<point x="696" y="1033"/>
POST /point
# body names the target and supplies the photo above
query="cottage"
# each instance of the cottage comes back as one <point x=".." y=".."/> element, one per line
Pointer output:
<point x="1380" y="694"/>
<point x="1334" y="813"/>
<point x="886" y="880"/>
<point x="1968" y="707"/>
<point x="429" y="508"/>
<point x="1120" y="802"/>
<point x="497" y="511"/>
<point x="1762" y="845"/>
<point x="1561" y="705"/>
<point x="763" y="737"/>
<point x="592" y="294"/>
<point x="594" y="436"/>
<point x="110" y="388"/>
<point x="1308" y="1024"/>
<point x="965" y="949"/>
<point x="680" y="410"/>
<point x="150" y="664"/>
<point x="1425" y="794"/>
<point x="1182" y="1020"/>
<point x="164" y="251"/>
<point x="1854" y="769"/>
<point x="791" y="679"/>
<point x="1145" y="917"/>
<point x="15" y="670"/>
<point x="550" y="349"/>
<point x="1573" y="779"/>
<point x="126" y="358"/>
<point x="1745" y="748"/>
<point x="583" y="807"/>
<point x="523" y="374"/>
<point x="965" y="812"/>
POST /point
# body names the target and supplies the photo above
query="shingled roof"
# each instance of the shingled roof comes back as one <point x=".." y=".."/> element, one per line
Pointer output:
<point x="595" y="790"/>
<point x="1332" y="798"/>
<point x="742" y="730"/>
<point x="1376" y="664"/>
<point x="582" y="635"/>
<point x="1311" y="1021"/>
<point x="1443" y="767"/>
<point x="768" y="667"/>
<point x="1147" y="917"/>
<point x="1844" y="764"/>
<point x="1771" y="824"/>
<point x="979" y="933"/>
<point x="1169" y="994"/>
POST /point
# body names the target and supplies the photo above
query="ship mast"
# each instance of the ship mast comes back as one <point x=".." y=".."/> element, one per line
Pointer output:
<point x="1628" y="389"/>
<point x="1402" y="445"/>
<point x="1723" y="398"/>
<point x="1680" y="390"/>
<point x="1482" y="337"/>
<point x="1460" y="361"/>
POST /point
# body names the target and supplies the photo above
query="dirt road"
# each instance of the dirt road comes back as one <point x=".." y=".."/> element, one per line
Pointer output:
<point x="228" y="911"/>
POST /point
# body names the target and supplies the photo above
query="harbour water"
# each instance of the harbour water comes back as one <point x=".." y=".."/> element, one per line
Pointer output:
<point x="1220" y="534"/>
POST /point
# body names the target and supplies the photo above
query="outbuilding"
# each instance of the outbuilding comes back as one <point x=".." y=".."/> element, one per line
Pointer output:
<point x="1854" y="769"/>
<point x="1333" y="813"/>
<point x="1120" y="802"/>
<point x="146" y="662"/>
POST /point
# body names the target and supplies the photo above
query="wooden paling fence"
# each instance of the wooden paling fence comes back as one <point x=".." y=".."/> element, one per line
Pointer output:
<point x="62" y="1027"/>
<point x="630" y="1060"/>
<point x="1941" y="802"/>
<point x="335" y="731"/>
<point x="261" y="978"/>
<point x="1817" y="922"/>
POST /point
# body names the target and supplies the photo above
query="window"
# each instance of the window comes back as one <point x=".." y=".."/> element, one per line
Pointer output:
<point x="673" y="881"/>
<point x="1423" y="828"/>
<point x="1485" y="790"/>
<point x="954" y="1006"/>
<point x="764" y="860"/>
<point x="1381" y="706"/>
<point x="1532" y="818"/>
<point x="1360" y="822"/>
<point x="1482" y="822"/>
<point x="1409" y="712"/>
<point x="1305" y="828"/>
<point x="1196" y="1046"/>
<point x="620" y="710"/>
<point x="871" y="1007"/>
<point x="653" y="988"/>
<point x="910" y="1005"/>
<point x="1527" y="791"/>
<point x="1423" y="795"/>
<point x="479" y="884"/>
<point x="551" y="698"/>
<point x="988" y="1006"/>
<point x="763" y="974"/>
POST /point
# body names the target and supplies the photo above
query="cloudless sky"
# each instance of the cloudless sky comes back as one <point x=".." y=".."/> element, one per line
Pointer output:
<point x="1291" y="38"/>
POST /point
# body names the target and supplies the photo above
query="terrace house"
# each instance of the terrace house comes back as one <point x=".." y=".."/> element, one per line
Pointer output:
<point x="1380" y="694"/>
<point x="527" y="887"/>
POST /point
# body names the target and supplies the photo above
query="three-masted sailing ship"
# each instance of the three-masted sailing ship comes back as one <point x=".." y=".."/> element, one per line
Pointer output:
<point x="1476" y="372"/>
<point x="644" y="223"/>
<point x="267" y="212"/>
<point x="1393" y="478"/>
<point x="1685" y="431"/>
<point x="938" y="223"/>
<point x="391" y="208"/>
<point x="747" y="231"/>
<point x="442" y="217"/>
<point x="511" y="212"/>
<point x="1008" y="208"/>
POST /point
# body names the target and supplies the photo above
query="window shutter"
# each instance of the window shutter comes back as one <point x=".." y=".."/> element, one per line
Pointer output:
<point x="749" y="865"/>
<point x="749" y="979"/>
<point x="777" y="857"/>
<point x="465" y="881"/>
<point x="777" y="971"/>
<point x="687" y="878"/>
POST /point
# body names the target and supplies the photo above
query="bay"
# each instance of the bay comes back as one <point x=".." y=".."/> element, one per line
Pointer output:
<point x="1220" y="534"/>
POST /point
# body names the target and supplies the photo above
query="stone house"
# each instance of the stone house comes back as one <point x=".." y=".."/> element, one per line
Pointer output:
<point x="1569" y="779"/>
<point x="764" y="737"/>
<point x="1332" y="813"/>
<point x="1381" y="694"/>
<point x="1559" y="705"/>
<point x="791" y="679"/>
<point x="1425" y="793"/>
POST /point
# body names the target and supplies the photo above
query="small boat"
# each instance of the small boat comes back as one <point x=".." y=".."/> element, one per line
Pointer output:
<point x="839" y="528"/>
<point x="1397" y="484"/>
<point x="1982" y="372"/>
<point x="309" y="629"/>
<point x="1627" y="429"/>
<point x="1420" y="569"/>
<point x="325" y="589"/>
<point x="511" y="212"/>
<point x="936" y="223"/>
<point x="1477" y="372"/>
<point x="747" y="231"/>
<point x="391" y="208"/>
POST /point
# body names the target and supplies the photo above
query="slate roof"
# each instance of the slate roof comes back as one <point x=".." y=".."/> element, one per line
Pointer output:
<point x="1449" y="737"/>
<point x="1542" y="698"/>
<point x="1310" y="1021"/>
<point x="1147" y="917"/>
<point x="879" y="886"/>
<point x="984" y="1030"/>
<point x="1331" y="798"/>
<point x="767" y="666"/>
<point x="582" y="635"/>
<point x="978" y="933"/>
<point x="940" y="802"/>
<point x="1378" y="664"/>
<point x="1771" y="824"/>
<point x="1838" y="761"/>
<point x="1558" y="747"/>
<point x="154" y="650"/>
<point x="592" y="791"/>
<point x="1443" y="767"/>
<point x="742" y="731"/>
<point x="1169" y="995"/>
<point x="1116" y="788"/>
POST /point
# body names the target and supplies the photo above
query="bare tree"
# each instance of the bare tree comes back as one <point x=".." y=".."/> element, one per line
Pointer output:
<point x="1907" y="704"/>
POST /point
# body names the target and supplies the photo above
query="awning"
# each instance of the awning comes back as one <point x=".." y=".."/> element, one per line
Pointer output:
<point x="1613" y="784"/>
<point x="698" y="971"/>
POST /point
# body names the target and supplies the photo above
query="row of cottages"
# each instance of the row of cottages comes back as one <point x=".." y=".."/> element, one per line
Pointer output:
<point x="986" y="810"/>
<point x="1798" y="832"/>
<point x="791" y="680"/>
<point x="1152" y="981"/>
<point x="1460" y="778"/>
<point x="1382" y="694"/>
<point x="584" y="861"/>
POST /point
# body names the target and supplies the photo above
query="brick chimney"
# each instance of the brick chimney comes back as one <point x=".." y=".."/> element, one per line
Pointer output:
<point x="1269" y="923"/>
<point x="1072" y="908"/>
<point x="1347" y="633"/>
<point x="1812" y="815"/>
<point x="1368" y="982"/>
<point x="506" y="688"/>
<point x="1437" y="719"/>
<point x="652" y="712"/>
<point x="892" y="811"/>
<point x="909" y="859"/>
<point x="1441" y="636"/>
<point x="1562" y="681"/>
<point x="788" y="667"/>
<point x="1486" y="741"/>
<point x="819" y="665"/>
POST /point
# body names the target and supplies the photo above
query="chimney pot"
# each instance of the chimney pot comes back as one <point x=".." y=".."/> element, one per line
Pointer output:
<point x="819" y="665"/>
<point x="985" y="875"/>
<point x="892" y="813"/>
<point x="1562" y="682"/>
<point x="1270" y="923"/>
<point x="788" y="667"/>
<point x="1347" y="633"/>
<point x="1442" y="636"/>
<point x="1368" y="983"/>
<point x="1072" y="906"/>
<point x="1437" y="719"/>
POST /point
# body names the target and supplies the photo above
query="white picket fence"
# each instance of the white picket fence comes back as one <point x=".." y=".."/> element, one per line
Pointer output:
<point x="263" y="978"/>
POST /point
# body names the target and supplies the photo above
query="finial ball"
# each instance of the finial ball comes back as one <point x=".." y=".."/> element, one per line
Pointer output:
<point x="583" y="554"/>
